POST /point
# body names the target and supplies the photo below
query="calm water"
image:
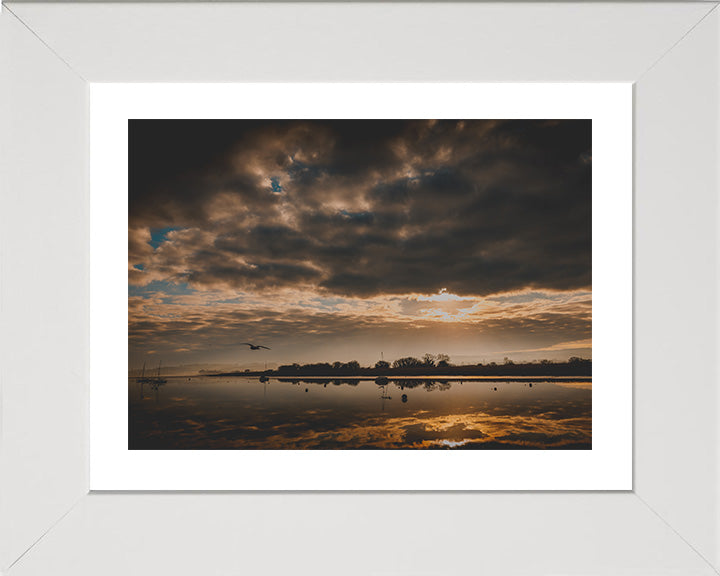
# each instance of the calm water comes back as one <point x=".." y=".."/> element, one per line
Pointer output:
<point x="243" y="413"/>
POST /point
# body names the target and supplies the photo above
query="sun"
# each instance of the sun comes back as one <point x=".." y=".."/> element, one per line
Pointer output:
<point x="443" y="296"/>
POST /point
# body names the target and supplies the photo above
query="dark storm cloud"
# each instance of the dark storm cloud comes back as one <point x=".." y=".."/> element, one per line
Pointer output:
<point x="360" y="208"/>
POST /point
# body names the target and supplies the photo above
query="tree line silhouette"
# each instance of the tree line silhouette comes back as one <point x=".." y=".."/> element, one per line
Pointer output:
<point x="431" y="365"/>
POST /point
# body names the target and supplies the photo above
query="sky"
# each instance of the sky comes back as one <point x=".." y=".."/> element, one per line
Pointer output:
<point x="343" y="240"/>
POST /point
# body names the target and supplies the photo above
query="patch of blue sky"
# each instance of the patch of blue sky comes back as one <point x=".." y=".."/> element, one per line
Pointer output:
<point x="359" y="217"/>
<point x="276" y="186"/>
<point x="140" y="267"/>
<point x="526" y="297"/>
<point x="328" y="304"/>
<point x="159" y="235"/>
<point x="160" y="287"/>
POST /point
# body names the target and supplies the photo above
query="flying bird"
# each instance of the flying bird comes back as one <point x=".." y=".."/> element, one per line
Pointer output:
<point x="254" y="347"/>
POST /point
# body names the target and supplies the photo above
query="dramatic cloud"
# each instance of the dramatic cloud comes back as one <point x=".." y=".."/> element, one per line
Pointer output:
<point x="351" y="227"/>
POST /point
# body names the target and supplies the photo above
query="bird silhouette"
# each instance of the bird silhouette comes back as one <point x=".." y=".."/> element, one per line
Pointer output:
<point x="255" y="347"/>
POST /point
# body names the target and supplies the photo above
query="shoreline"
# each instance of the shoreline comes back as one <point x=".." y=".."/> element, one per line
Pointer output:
<point x="371" y="378"/>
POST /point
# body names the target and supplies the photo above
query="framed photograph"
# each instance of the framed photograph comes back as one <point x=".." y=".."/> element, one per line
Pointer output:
<point x="342" y="280"/>
<point x="317" y="246"/>
<point x="330" y="239"/>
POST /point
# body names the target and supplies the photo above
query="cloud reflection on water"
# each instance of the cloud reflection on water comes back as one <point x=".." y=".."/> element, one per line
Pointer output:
<point x="242" y="413"/>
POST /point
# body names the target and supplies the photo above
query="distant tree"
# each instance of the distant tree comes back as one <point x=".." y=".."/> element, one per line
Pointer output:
<point x="337" y="365"/>
<point x="353" y="366"/>
<point x="382" y="365"/>
<point x="508" y="361"/>
<point x="407" y="362"/>
<point x="443" y="358"/>
<point x="429" y="360"/>
<point x="443" y="364"/>
<point x="289" y="368"/>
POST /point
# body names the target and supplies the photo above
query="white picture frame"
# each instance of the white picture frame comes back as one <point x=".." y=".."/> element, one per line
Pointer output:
<point x="49" y="522"/>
